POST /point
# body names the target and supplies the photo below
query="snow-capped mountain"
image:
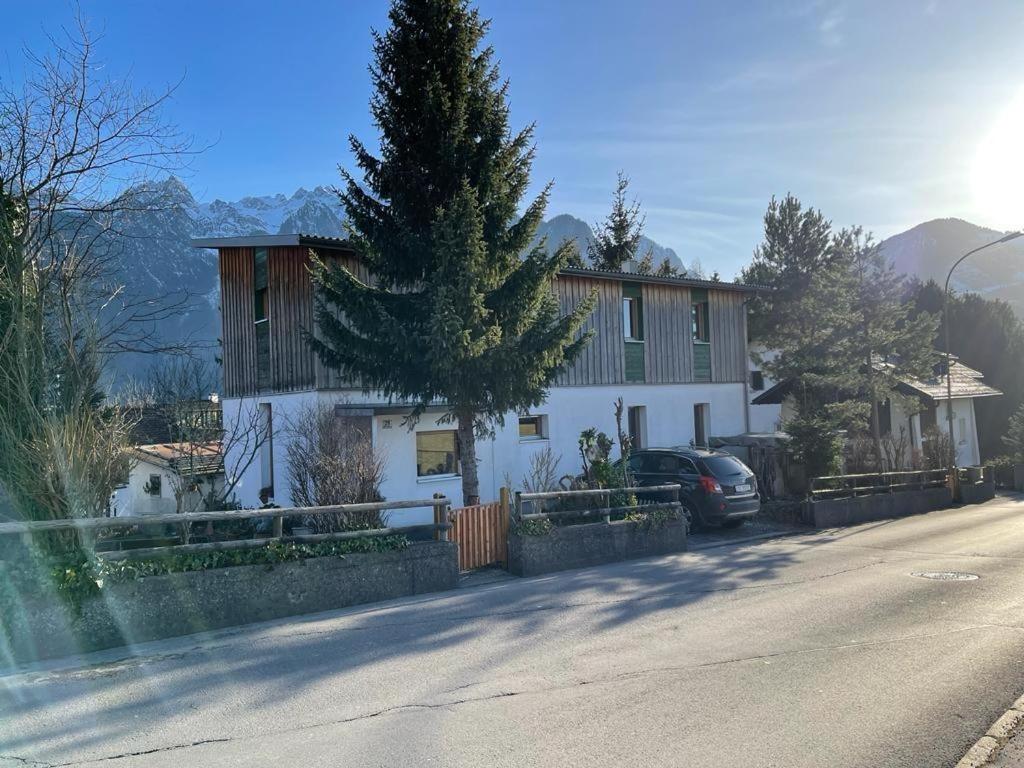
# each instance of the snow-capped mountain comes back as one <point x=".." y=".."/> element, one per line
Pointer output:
<point x="930" y="249"/>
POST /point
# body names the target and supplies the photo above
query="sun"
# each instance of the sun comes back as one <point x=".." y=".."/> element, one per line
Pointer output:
<point x="997" y="177"/>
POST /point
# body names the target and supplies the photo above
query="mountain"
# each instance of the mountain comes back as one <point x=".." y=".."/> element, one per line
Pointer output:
<point x="155" y="261"/>
<point x="566" y="227"/>
<point x="928" y="251"/>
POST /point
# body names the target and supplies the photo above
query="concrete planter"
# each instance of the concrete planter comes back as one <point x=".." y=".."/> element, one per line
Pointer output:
<point x="579" y="546"/>
<point x="829" y="513"/>
<point x="177" y="604"/>
<point x="979" y="492"/>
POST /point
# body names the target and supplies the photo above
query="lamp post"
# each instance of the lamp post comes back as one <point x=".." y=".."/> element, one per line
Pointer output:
<point x="949" y="367"/>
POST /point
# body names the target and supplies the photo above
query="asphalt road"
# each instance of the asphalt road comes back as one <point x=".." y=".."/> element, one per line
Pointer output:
<point x="814" y="650"/>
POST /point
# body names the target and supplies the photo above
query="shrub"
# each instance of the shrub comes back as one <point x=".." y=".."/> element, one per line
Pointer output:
<point x="331" y="461"/>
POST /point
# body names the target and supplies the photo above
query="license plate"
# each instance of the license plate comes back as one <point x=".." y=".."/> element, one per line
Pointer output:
<point x="742" y="488"/>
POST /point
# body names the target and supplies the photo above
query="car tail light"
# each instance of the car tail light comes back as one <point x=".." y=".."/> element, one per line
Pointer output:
<point x="709" y="484"/>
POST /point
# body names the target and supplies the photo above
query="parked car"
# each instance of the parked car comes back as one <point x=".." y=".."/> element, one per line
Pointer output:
<point x="717" y="488"/>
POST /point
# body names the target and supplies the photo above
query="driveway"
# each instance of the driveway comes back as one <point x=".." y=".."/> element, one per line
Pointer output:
<point x="817" y="649"/>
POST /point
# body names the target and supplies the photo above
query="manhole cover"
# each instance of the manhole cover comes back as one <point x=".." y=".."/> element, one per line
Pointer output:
<point x="945" y="575"/>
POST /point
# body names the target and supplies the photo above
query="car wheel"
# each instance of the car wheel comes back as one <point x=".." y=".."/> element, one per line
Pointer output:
<point x="696" y="522"/>
<point x="734" y="523"/>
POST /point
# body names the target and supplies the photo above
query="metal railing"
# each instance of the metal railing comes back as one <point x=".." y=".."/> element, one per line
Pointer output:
<point x="526" y="504"/>
<point x="872" y="483"/>
<point x="88" y="527"/>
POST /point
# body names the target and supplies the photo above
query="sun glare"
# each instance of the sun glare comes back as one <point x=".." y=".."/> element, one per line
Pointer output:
<point x="998" y="174"/>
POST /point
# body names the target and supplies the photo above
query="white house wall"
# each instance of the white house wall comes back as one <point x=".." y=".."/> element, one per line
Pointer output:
<point x="568" y="411"/>
<point x="763" y="418"/>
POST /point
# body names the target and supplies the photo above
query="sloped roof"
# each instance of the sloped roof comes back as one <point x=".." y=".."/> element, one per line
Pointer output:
<point x="337" y="243"/>
<point x="194" y="458"/>
<point x="966" y="383"/>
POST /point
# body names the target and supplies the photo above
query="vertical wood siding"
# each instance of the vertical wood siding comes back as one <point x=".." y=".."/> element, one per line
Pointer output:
<point x="238" y="333"/>
<point x="728" y="342"/>
<point x="668" y="346"/>
<point x="667" y="334"/>
<point x="291" y="313"/>
<point x="603" y="359"/>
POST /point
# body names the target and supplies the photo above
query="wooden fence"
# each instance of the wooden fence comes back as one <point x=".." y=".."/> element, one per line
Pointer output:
<point x="89" y="527"/>
<point x="840" y="486"/>
<point x="481" y="532"/>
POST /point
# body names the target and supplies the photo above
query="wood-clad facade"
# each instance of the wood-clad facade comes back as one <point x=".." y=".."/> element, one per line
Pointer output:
<point x="665" y="344"/>
<point x="668" y="343"/>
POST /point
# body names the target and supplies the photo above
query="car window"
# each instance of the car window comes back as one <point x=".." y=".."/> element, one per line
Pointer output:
<point x="723" y="466"/>
<point x="637" y="463"/>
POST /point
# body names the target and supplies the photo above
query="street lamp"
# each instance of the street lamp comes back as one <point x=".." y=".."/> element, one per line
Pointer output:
<point x="949" y="367"/>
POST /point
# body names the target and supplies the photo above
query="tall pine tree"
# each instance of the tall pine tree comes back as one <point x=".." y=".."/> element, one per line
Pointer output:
<point x="456" y="313"/>
<point x="886" y="341"/>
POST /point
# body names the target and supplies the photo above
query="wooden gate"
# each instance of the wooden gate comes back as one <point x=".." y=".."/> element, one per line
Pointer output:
<point x="482" y="535"/>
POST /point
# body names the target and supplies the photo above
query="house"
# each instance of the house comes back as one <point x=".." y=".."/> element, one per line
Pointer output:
<point x="176" y="458"/>
<point x="774" y="405"/>
<point x="166" y="478"/>
<point x="673" y="348"/>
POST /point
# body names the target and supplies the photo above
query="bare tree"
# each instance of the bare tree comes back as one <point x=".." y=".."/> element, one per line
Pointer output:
<point x="210" y="451"/>
<point x="331" y="460"/>
<point x="68" y="141"/>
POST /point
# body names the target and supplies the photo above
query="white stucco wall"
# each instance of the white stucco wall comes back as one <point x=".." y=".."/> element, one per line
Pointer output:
<point x="763" y="418"/>
<point x="134" y="500"/>
<point x="569" y="410"/>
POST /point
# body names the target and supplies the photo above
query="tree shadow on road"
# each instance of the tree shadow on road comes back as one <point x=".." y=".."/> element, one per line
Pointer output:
<point x="415" y="646"/>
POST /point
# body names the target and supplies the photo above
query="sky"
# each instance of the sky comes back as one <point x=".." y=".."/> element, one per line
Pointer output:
<point x="882" y="114"/>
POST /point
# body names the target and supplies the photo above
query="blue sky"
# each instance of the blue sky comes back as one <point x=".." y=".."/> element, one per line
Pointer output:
<point x="873" y="111"/>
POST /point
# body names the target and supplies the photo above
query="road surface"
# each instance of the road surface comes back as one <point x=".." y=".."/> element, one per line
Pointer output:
<point x="813" y="650"/>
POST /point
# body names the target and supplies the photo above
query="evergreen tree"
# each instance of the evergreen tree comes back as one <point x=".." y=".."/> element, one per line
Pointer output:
<point x="573" y="257"/>
<point x="804" y="319"/>
<point x="1014" y="437"/>
<point x="455" y="314"/>
<point x="617" y="238"/>
<point x="797" y="246"/>
<point x="887" y="342"/>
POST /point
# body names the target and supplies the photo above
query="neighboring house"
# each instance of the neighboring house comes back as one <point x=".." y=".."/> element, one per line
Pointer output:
<point x="170" y="477"/>
<point x="674" y="349"/>
<point x="776" y="405"/>
<point x="761" y="420"/>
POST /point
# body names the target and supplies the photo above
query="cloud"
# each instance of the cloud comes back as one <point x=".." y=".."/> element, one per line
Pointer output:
<point x="830" y="28"/>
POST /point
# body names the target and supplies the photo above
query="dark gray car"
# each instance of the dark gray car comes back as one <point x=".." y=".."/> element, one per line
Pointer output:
<point x="716" y="487"/>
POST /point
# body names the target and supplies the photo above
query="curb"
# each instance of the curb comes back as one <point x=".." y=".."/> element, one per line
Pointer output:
<point x="987" y="747"/>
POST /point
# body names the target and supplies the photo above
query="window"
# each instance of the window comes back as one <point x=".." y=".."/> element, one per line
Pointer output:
<point x="636" y="418"/>
<point x="885" y="417"/>
<point x="437" y="453"/>
<point x="699" y="318"/>
<point x="632" y="318"/>
<point x="963" y="431"/>
<point x="266" y="424"/>
<point x="533" y="427"/>
<point x="261" y="314"/>
<point x="700" y="423"/>
<point x="757" y="380"/>
<point x="153" y="486"/>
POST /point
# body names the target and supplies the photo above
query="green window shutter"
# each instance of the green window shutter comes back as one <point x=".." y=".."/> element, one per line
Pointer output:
<point x="702" y="362"/>
<point x="635" y="361"/>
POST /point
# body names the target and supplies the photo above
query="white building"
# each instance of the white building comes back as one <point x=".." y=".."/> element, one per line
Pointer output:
<point x="167" y="478"/>
<point x="674" y="349"/>
<point x="774" y="405"/>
